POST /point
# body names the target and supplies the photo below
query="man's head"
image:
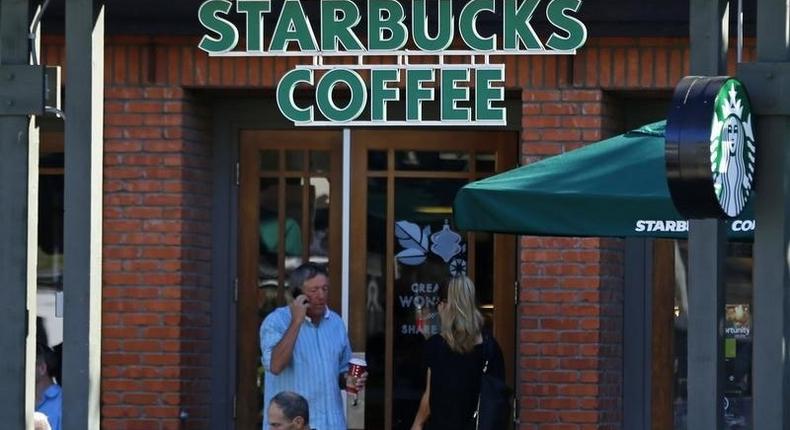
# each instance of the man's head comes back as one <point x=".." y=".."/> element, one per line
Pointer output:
<point x="312" y="280"/>
<point x="288" y="411"/>
<point x="46" y="363"/>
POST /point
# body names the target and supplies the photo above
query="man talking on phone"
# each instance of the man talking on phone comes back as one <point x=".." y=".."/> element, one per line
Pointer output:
<point x="305" y="349"/>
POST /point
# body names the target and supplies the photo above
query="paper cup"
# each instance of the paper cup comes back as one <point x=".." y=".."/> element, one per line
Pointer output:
<point x="356" y="368"/>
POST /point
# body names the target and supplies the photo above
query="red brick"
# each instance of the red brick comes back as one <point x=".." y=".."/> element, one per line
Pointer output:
<point x="579" y="417"/>
<point x="559" y="324"/>
<point x="561" y="403"/>
<point x="561" y="135"/>
<point x="542" y="148"/>
<point x="142" y="319"/>
<point x="540" y="336"/>
<point x="541" y="95"/>
<point x="539" y="73"/>
<point x="539" y="416"/>
<point x="605" y="67"/>
<point x="661" y="68"/>
<point x="579" y="390"/>
<point x="646" y="61"/>
<point x="141" y="346"/>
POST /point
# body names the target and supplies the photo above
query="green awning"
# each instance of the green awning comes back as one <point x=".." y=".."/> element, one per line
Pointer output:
<point x="613" y="188"/>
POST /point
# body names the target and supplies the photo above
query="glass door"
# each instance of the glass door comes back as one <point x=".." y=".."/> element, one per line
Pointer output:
<point x="290" y="212"/>
<point x="404" y="245"/>
<point x="670" y="335"/>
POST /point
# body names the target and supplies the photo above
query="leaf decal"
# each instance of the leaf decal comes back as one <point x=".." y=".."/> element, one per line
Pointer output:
<point x="411" y="256"/>
<point x="410" y="237"/>
<point x="425" y="241"/>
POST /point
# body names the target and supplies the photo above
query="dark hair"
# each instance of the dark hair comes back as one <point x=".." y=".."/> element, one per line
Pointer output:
<point x="293" y="405"/>
<point x="304" y="273"/>
<point x="46" y="355"/>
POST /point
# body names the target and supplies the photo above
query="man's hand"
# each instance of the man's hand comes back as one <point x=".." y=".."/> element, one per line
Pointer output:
<point x="356" y="384"/>
<point x="283" y="351"/>
<point x="299" y="309"/>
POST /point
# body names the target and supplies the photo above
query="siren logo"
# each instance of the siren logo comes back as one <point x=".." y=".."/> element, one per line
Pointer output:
<point x="455" y="63"/>
<point x="732" y="148"/>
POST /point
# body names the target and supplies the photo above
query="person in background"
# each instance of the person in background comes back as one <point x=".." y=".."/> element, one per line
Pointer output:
<point x="49" y="396"/>
<point x="288" y="411"/>
<point x="305" y="349"/>
<point x="454" y="361"/>
<point x="40" y="422"/>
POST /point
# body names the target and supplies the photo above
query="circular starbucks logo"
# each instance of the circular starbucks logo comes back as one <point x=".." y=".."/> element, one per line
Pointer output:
<point x="732" y="148"/>
<point x="710" y="147"/>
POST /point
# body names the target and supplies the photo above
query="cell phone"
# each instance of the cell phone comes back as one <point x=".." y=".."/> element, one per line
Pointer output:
<point x="296" y="292"/>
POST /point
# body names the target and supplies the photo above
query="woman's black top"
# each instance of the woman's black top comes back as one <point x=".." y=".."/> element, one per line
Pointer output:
<point x="455" y="382"/>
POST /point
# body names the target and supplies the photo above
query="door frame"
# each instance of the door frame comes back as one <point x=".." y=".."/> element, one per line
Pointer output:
<point x="252" y="142"/>
<point x="228" y="113"/>
<point x="230" y="116"/>
<point x="506" y="145"/>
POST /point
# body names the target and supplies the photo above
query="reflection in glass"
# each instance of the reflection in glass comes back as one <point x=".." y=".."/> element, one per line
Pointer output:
<point x="737" y="337"/>
<point x="270" y="160"/>
<point x="319" y="161"/>
<point x="50" y="252"/>
<point x="282" y="229"/>
<point x="447" y="161"/>
<point x="294" y="160"/>
<point x="319" y="216"/>
<point x="486" y="162"/>
<point x="484" y="275"/>
<point x="376" y="302"/>
<point x="377" y="160"/>
<point x="294" y="241"/>
<point x="428" y="251"/>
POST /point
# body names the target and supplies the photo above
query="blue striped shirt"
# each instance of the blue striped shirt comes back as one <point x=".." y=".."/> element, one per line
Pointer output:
<point x="320" y="354"/>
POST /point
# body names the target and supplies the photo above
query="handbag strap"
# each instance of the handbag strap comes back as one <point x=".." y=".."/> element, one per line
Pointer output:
<point x="486" y="356"/>
<point x="486" y="353"/>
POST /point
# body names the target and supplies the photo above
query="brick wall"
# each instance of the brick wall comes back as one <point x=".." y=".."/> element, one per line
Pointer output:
<point x="156" y="286"/>
<point x="157" y="205"/>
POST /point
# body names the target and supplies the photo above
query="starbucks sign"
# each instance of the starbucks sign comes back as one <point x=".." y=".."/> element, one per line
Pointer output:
<point x="710" y="147"/>
<point x="360" y="58"/>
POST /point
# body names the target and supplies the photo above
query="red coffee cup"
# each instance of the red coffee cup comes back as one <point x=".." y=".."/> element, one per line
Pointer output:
<point x="356" y="368"/>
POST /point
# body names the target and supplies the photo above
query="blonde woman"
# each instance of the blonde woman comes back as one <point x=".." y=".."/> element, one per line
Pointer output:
<point x="454" y="360"/>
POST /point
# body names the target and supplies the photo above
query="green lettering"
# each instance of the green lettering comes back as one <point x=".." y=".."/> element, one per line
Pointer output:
<point x="393" y="23"/>
<point x="517" y="28"/>
<point x="452" y="94"/>
<point x="380" y="93"/>
<point x="285" y="95"/>
<point x="575" y="29"/>
<point x="336" y="31"/>
<point x="415" y="93"/>
<point x="467" y="23"/>
<point x="254" y="9"/>
<point x="419" y="25"/>
<point x="326" y="104"/>
<point x="485" y="94"/>
<point x="293" y="25"/>
<point x="228" y="35"/>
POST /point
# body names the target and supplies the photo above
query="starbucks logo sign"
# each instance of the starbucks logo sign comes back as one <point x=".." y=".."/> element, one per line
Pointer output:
<point x="732" y="148"/>
<point x="710" y="147"/>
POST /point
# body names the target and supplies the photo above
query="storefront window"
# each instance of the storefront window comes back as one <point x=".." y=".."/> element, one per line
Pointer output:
<point x="49" y="274"/>
<point x="737" y="337"/>
<point x="409" y="191"/>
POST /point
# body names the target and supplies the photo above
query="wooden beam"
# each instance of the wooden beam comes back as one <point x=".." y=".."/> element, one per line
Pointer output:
<point x="82" y="223"/>
<point x="18" y="228"/>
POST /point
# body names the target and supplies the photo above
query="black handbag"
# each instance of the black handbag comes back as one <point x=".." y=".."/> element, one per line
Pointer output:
<point x="493" y="404"/>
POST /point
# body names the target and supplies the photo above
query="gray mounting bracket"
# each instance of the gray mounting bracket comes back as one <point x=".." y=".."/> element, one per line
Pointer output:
<point x="768" y="85"/>
<point x="22" y="90"/>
